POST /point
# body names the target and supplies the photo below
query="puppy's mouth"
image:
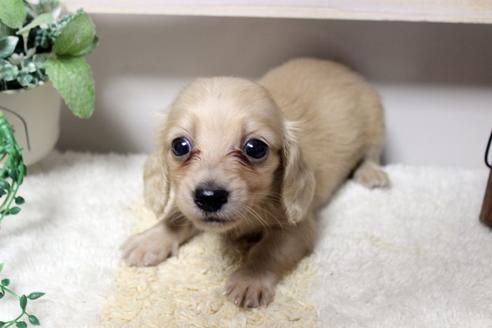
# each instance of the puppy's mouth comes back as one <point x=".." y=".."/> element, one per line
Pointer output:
<point x="214" y="220"/>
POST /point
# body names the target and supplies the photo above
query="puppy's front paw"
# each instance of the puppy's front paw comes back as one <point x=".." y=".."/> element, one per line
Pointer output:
<point x="149" y="248"/>
<point x="250" y="291"/>
<point x="371" y="176"/>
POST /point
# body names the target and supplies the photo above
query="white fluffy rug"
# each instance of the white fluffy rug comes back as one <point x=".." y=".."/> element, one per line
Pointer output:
<point x="412" y="256"/>
<point x="65" y="240"/>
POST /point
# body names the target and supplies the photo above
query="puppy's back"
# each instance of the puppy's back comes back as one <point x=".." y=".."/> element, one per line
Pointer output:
<point x="339" y="113"/>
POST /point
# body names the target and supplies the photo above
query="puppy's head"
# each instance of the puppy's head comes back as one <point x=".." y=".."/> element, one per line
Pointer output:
<point x="225" y="143"/>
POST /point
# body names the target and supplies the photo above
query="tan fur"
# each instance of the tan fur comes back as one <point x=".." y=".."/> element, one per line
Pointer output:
<point x="321" y="122"/>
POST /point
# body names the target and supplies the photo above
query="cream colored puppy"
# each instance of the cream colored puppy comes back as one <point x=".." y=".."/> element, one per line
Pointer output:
<point x="256" y="161"/>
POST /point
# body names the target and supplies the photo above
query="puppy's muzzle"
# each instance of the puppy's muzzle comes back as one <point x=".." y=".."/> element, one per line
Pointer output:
<point x="210" y="198"/>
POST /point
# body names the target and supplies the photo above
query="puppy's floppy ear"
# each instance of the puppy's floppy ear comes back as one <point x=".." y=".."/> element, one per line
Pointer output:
<point x="158" y="193"/>
<point x="298" y="182"/>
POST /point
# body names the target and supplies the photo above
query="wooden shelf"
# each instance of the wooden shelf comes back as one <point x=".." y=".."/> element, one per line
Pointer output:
<point x="453" y="11"/>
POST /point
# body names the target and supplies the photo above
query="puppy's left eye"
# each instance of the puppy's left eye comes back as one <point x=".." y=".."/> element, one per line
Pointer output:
<point x="255" y="149"/>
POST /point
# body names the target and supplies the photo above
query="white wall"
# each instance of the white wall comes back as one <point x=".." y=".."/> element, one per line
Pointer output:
<point x="435" y="79"/>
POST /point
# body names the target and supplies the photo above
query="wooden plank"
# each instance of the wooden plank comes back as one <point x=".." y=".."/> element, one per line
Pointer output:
<point x="486" y="213"/>
<point x="456" y="11"/>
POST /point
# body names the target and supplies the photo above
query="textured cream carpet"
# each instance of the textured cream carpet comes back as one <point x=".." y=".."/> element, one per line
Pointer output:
<point x="187" y="291"/>
<point x="412" y="256"/>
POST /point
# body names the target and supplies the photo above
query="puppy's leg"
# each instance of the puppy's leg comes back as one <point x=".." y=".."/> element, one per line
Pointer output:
<point x="369" y="173"/>
<point x="156" y="244"/>
<point x="278" y="252"/>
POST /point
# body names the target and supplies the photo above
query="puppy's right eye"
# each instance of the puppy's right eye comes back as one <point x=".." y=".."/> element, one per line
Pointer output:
<point x="180" y="147"/>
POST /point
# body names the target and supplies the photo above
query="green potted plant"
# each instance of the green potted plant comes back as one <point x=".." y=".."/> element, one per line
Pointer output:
<point x="42" y="57"/>
<point x="12" y="172"/>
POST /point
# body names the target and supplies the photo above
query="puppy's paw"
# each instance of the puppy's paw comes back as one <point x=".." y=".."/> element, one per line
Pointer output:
<point x="371" y="176"/>
<point x="249" y="291"/>
<point x="149" y="248"/>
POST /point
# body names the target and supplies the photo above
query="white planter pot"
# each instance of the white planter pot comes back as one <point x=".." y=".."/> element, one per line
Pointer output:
<point x="35" y="117"/>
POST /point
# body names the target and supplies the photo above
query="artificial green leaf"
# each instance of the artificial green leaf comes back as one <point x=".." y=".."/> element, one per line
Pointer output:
<point x="5" y="282"/>
<point x="14" y="210"/>
<point x="21" y="324"/>
<point x="89" y="49"/>
<point x="49" y="5"/>
<point x="2" y="294"/>
<point x="8" y="72"/>
<point x="13" y="13"/>
<point x="4" y="185"/>
<point x="52" y="3"/>
<point x="19" y="200"/>
<point x="23" y="169"/>
<point x="33" y="320"/>
<point x="1" y="267"/>
<point x="40" y="7"/>
<point x="72" y="77"/>
<point x="4" y="30"/>
<point x="29" y="66"/>
<point x="39" y="20"/>
<point x="23" y="302"/>
<point x="7" y="45"/>
<point x="2" y="324"/>
<point x="76" y="37"/>
<point x="35" y="295"/>
<point x="26" y="79"/>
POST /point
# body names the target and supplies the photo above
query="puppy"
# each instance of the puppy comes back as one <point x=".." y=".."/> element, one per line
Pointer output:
<point x="257" y="160"/>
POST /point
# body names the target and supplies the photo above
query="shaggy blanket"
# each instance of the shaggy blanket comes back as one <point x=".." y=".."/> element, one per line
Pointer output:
<point x="411" y="256"/>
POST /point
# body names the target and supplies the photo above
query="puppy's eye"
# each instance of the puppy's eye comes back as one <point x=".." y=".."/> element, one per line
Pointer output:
<point x="181" y="147"/>
<point x="255" y="149"/>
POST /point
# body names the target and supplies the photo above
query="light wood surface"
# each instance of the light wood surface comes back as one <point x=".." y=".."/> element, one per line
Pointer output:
<point x="486" y="213"/>
<point x="456" y="11"/>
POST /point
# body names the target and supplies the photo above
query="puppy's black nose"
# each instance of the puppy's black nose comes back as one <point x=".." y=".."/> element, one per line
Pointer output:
<point x="210" y="198"/>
